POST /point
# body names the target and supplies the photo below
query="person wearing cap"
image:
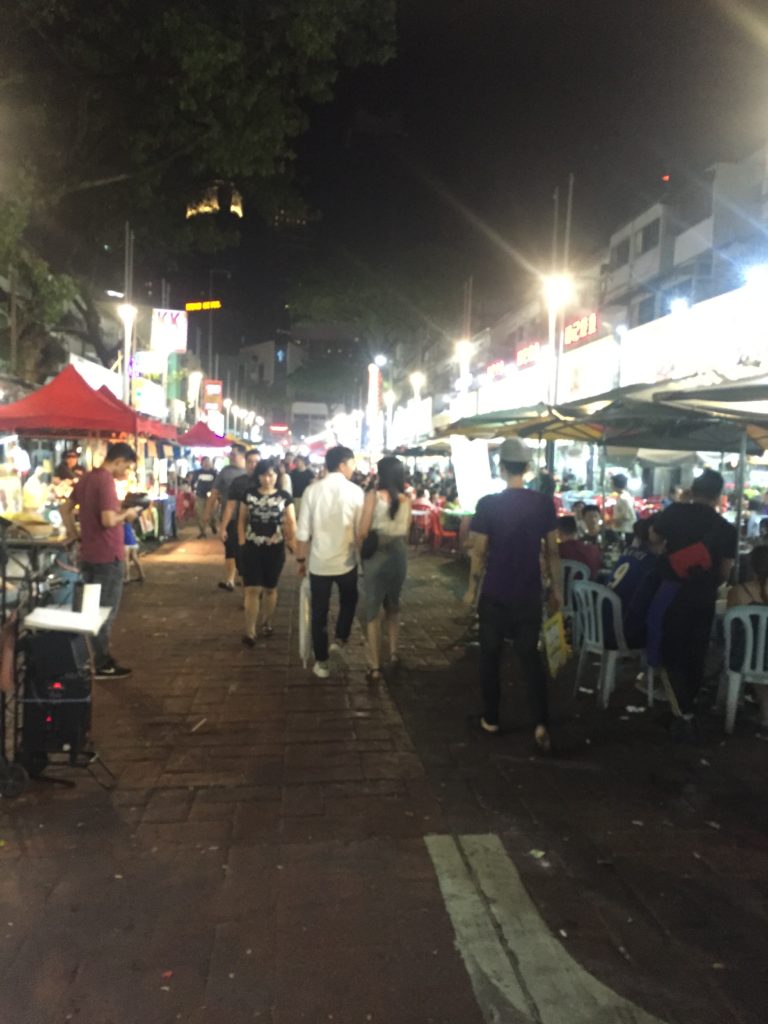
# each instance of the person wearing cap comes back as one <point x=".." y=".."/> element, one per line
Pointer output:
<point x="67" y="473"/>
<point x="506" y="535"/>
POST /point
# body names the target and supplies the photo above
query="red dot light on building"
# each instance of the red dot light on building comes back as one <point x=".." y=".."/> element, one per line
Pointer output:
<point x="665" y="178"/>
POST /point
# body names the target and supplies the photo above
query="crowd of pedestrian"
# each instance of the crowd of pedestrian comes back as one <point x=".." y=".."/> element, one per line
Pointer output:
<point x="340" y="524"/>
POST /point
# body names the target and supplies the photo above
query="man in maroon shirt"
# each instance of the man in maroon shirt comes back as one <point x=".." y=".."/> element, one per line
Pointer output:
<point x="101" y="542"/>
<point x="575" y="550"/>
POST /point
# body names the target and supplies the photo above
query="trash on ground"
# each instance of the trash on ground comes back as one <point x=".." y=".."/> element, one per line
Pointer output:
<point x="635" y="709"/>
<point x="713" y="824"/>
<point x="196" y="727"/>
<point x="705" y="763"/>
<point x="564" y="933"/>
<point x="586" y="689"/>
<point x="638" y="823"/>
<point x="537" y="854"/>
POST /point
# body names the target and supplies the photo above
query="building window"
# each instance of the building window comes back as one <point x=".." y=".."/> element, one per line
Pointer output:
<point x="646" y="310"/>
<point x="649" y="236"/>
<point x="620" y="254"/>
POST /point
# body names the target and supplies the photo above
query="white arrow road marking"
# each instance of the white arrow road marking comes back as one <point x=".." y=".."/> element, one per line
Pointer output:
<point x="519" y="972"/>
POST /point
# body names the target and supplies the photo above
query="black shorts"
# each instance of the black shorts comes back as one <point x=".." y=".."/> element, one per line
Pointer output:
<point x="230" y="544"/>
<point x="261" y="564"/>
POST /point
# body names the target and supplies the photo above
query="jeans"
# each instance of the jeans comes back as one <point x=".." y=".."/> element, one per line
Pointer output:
<point x="110" y="576"/>
<point x="521" y="620"/>
<point x="321" y="587"/>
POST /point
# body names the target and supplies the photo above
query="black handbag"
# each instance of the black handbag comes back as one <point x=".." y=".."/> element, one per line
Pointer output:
<point x="370" y="545"/>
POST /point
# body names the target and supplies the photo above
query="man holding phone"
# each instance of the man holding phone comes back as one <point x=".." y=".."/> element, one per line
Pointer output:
<point x="102" y="549"/>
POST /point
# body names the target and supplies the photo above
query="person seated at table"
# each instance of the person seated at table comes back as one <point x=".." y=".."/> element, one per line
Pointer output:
<point x="635" y="581"/>
<point x="753" y="593"/>
<point x="593" y="522"/>
<point x="576" y="550"/>
<point x="762" y="539"/>
<point x="421" y="502"/>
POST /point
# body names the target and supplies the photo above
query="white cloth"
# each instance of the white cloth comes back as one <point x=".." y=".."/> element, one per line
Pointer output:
<point x="387" y="527"/>
<point x="329" y="520"/>
<point x="624" y="517"/>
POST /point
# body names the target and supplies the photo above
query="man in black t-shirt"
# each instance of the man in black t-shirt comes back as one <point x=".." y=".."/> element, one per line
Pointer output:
<point x="201" y="481"/>
<point x="699" y="549"/>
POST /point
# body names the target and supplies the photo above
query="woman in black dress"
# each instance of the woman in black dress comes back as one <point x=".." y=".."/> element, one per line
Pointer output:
<point x="266" y="523"/>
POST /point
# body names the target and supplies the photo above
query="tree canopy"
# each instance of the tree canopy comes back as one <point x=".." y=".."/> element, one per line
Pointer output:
<point x="129" y="110"/>
<point x="126" y="110"/>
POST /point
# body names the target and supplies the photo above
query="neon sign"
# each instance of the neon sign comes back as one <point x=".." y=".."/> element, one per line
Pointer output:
<point x="580" y="331"/>
<point x="528" y="355"/>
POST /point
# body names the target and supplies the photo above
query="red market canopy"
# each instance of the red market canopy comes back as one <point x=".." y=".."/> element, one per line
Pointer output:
<point x="68" y="406"/>
<point x="201" y="436"/>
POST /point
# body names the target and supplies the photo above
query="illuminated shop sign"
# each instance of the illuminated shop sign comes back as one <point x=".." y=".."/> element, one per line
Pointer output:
<point x="496" y="370"/>
<point x="213" y="392"/>
<point x="580" y="331"/>
<point x="528" y="354"/>
<point x="198" y="307"/>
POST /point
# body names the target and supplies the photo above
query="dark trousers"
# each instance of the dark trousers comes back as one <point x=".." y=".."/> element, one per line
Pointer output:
<point x="320" y="587"/>
<point x="520" y="620"/>
<point x="110" y="576"/>
<point x="685" y="644"/>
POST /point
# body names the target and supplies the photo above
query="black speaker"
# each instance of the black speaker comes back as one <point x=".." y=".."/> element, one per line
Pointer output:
<point x="56" y="694"/>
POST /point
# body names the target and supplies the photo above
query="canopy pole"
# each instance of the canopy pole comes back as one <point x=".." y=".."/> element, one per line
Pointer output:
<point x="603" y="463"/>
<point x="739" y="496"/>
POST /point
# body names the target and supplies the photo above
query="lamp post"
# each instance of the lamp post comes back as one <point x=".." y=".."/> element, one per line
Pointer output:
<point x="227" y="403"/>
<point x="463" y="356"/>
<point x="127" y="314"/>
<point x="558" y="291"/>
<point x="418" y="382"/>
<point x="389" y="398"/>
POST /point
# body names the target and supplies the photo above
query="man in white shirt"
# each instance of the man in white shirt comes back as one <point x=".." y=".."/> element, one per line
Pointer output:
<point x="328" y="527"/>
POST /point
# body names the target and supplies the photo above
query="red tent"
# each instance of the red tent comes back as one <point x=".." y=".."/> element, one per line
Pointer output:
<point x="68" y="406"/>
<point x="145" y="426"/>
<point x="201" y="436"/>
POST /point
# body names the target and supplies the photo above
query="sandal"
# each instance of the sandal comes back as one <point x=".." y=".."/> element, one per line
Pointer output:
<point x="373" y="675"/>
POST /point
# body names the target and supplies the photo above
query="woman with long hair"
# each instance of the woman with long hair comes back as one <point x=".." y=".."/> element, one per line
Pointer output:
<point x="754" y="592"/>
<point x="266" y="524"/>
<point x="387" y="514"/>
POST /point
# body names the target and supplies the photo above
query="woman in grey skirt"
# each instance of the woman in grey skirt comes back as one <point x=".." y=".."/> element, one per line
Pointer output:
<point x="387" y="512"/>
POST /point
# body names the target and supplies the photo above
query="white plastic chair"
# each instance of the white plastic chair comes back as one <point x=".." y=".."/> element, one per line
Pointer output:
<point x="754" y="620"/>
<point x="572" y="572"/>
<point x="591" y="599"/>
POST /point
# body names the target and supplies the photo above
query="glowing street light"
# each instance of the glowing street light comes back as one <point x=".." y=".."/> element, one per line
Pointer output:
<point x="227" y="403"/>
<point x="380" y="360"/>
<point x="127" y="314"/>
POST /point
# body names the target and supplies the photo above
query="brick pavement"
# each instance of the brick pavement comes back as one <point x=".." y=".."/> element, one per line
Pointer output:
<point x="262" y="857"/>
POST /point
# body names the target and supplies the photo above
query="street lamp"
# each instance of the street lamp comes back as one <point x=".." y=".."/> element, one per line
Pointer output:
<point x="389" y="398"/>
<point x="463" y="354"/>
<point x="227" y="403"/>
<point x="558" y="291"/>
<point x="381" y="361"/>
<point x="127" y="314"/>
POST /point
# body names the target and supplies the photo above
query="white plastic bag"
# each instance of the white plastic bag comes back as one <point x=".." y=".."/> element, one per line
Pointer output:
<point x="305" y="622"/>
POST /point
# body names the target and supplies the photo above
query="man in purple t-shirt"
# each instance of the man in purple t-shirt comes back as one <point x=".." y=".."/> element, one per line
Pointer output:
<point x="102" y="550"/>
<point x="507" y="532"/>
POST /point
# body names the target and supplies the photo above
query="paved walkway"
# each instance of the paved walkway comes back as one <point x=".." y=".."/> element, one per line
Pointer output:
<point x="283" y="849"/>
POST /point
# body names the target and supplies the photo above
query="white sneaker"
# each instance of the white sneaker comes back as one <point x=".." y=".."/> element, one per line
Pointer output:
<point x="337" y="647"/>
<point x="321" y="669"/>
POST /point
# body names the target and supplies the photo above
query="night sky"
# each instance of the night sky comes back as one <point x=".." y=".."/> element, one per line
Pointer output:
<point x="490" y="104"/>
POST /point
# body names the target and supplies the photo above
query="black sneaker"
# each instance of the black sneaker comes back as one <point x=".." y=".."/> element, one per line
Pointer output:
<point x="112" y="671"/>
